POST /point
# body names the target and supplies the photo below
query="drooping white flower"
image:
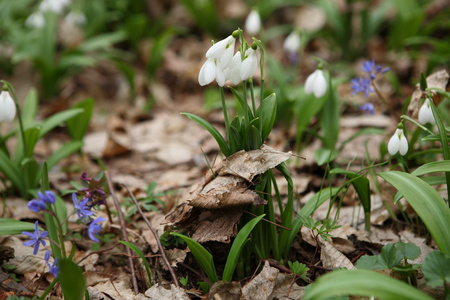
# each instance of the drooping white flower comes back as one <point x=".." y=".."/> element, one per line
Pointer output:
<point x="211" y="70"/>
<point x="249" y="64"/>
<point x="233" y="72"/>
<point x="222" y="51"/>
<point x="253" y="22"/>
<point x="426" y="114"/>
<point x="75" y="18"/>
<point x="35" y="20"/>
<point x="56" y="6"/>
<point x="292" y="42"/>
<point x="316" y="83"/>
<point x="398" y="143"/>
<point x="7" y="107"/>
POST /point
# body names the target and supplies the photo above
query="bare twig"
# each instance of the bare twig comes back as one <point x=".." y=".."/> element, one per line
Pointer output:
<point x="161" y="249"/>
<point x="124" y="231"/>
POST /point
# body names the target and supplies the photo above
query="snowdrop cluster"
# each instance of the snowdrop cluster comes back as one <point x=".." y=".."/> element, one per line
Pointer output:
<point x="224" y="64"/>
<point x="37" y="19"/>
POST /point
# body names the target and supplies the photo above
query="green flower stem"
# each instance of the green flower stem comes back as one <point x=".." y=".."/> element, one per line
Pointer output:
<point x="252" y="94"/>
<point x="48" y="289"/>
<point x="225" y="115"/>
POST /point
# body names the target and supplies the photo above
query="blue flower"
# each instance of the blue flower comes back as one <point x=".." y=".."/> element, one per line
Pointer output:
<point x="361" y="85"/>
<point x="54" y="269"/>
<point x="47" y="197"/>
<point x="368" y="66"/>
<point x="36" y="205"/>
<point x="367" y="108"/>
<point x="94" y="229"/>
<point x="35" y="238"/>
<point x="83" y="211"/>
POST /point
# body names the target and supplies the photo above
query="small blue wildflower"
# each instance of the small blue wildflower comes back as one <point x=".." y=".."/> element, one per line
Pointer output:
<point x="83" y="211"/>
<point x="367" y="108"/>
<point x="47" y="197"/>
<point x="35" y="238"/>
<point x="36" y="205"/>
<point x="368" y="66"/>
<point x="54" y="269"/>
<point x="361" y="85"/>
<point x="94" y="229"/>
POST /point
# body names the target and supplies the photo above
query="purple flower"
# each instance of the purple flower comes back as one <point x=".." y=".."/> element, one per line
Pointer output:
<point x="47" y="197"/>
<point x="367" y="108"/>
<point x="361" y="85"/>
<point x="368" y="66"/>
<point x="35" y="238"/>
<point x="83" y="211"/>
<point x="94" y="229"/>
<point x="36" y="205"/>
<point x="54" y="269"/>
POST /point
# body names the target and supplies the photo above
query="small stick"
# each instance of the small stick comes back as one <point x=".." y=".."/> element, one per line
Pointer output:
<point x="124" y="232"/>
<point x="161" y="249"/>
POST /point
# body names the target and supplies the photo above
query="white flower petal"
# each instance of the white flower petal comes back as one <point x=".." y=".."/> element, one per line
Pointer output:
<point x="7" y="107"/>
<point x="217" y="50"/>
<point x="403" y="145"/>
<point x="207" y="73"/>
<point x="220" y="76"/>
<point x="249" y="64"/>
<point x="253" y="23"/>
<point x="292" y="42"/>
<point x="426" y="114"/>
<point x="393" y="144"/>
<point x="316" y="83"/>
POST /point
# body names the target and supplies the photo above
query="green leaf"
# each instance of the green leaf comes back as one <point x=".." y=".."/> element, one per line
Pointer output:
<point x="78" y="125"/>
<point x="390" y="256"/>
<point x="29" y="108"/>
<point x="427" y="203"/>
<point x="57" y="119"/>
<point x="213" y="131"/>
<point x="237" y="246"/>
<point x="63" y="152"/>
<point x="324" y="155"/>
<point x="31" y="137"/>
<point x="203" y="257"/>
<point x="408" y="250"/>
<point x="369" y="262"/>
<point x="255" y="138"/>
<point x="436" y="269"/>
<point x="362" y="283"/>
<point x="268" y="115"/>
<point x="12" y="227"/>
<point x="423" y="82"/>
<point x="141" y="255"/>
<point x="433" y="167"/>
<point x="73" y="282"/>
<point x="12" y="172"/>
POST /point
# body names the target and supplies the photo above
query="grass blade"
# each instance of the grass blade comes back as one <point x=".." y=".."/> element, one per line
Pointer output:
<point x="141" y="255"/>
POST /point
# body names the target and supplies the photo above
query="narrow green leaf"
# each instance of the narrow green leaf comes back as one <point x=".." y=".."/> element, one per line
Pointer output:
<point x="237" y="246"/>
<point x="203" y="257"/>
<point x="73" y="282"/>
<point x="12" y="227"/>
<point x="31" y="137"/>
<point x="78" y="125"/>
<point x="269" y="113"/>
<point x="58" y="118"/>
<point x="427" y="203"/>
<point x="433" y="167"/>
<point x="29" y="108"/>
<point x="362" y="283"/>
<point x="12" y="172"/>
<point x="63" y="152"/>
<point x="213" y="131"/>
<point x="141" y="255"/>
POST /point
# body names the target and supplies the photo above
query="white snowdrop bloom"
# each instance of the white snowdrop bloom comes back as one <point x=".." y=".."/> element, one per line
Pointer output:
<point x="253" y="22"/>
<point x="75" y="18"/>
<point x="223" y="51"/>
<point x="7" y="107"/>
<point x="398" y="143"/>
<point x="56" y="6"/>
<point x="292" y="42"/>
<point x="316" y="83"/>
<point x="426" y="114"/>
<point x="210" y="71"/>
<point x="233" y="72"/>
<point x="249" y="64"/>
<point x="35" y="20"/>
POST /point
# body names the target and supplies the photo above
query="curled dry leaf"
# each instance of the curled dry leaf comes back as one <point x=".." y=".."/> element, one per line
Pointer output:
<point x="439" y="80"/>
<point x="158" y="292"/>
<point x="332" y="258"/>
<point x="223" y="191"/>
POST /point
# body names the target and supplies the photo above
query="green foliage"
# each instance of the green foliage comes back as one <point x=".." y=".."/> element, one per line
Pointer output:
<point x="148" y="202"/>
<point x="142" y="256"/>
<point x="184" y="280"/>
<point x="79" y="124"/>
<point x="169" y="240"/>
<point x="299" y="269"/>
<point x="436" y="269"/>
<point x="12" y="226"/>
<point x="320" y="227"/>
<point x="362" y="283"/>
<point x="73" y="282"/>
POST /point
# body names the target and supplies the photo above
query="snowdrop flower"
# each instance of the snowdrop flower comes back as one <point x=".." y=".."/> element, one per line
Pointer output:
<point x="222" y="51"/>
<point x="233" y="72"/>
<point x="249" y="64"/>
<point x="7" y="107"/>
<point x="398" y="142"/>
<point x="56" y="6"/>
<point x="35" y="20"/>
<point x="292" y="42"/>
<point x="316" y="83"/>
<point x="211" y="70"/>
<point x="75" y="18"/>
<point x="253" y="22"/>
<point x="426" y="114"/>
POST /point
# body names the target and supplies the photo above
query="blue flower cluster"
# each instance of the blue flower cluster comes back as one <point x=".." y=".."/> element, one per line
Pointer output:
<point x="364" y="84"/>
<point x="44" y="203"/>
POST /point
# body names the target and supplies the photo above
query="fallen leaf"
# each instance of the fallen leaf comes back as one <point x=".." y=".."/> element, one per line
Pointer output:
<point x="157" y="292"/>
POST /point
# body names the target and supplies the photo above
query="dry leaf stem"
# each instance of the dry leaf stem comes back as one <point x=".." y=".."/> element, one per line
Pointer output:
<point x="161" y="249"/>
<point x="124" y="231"/>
